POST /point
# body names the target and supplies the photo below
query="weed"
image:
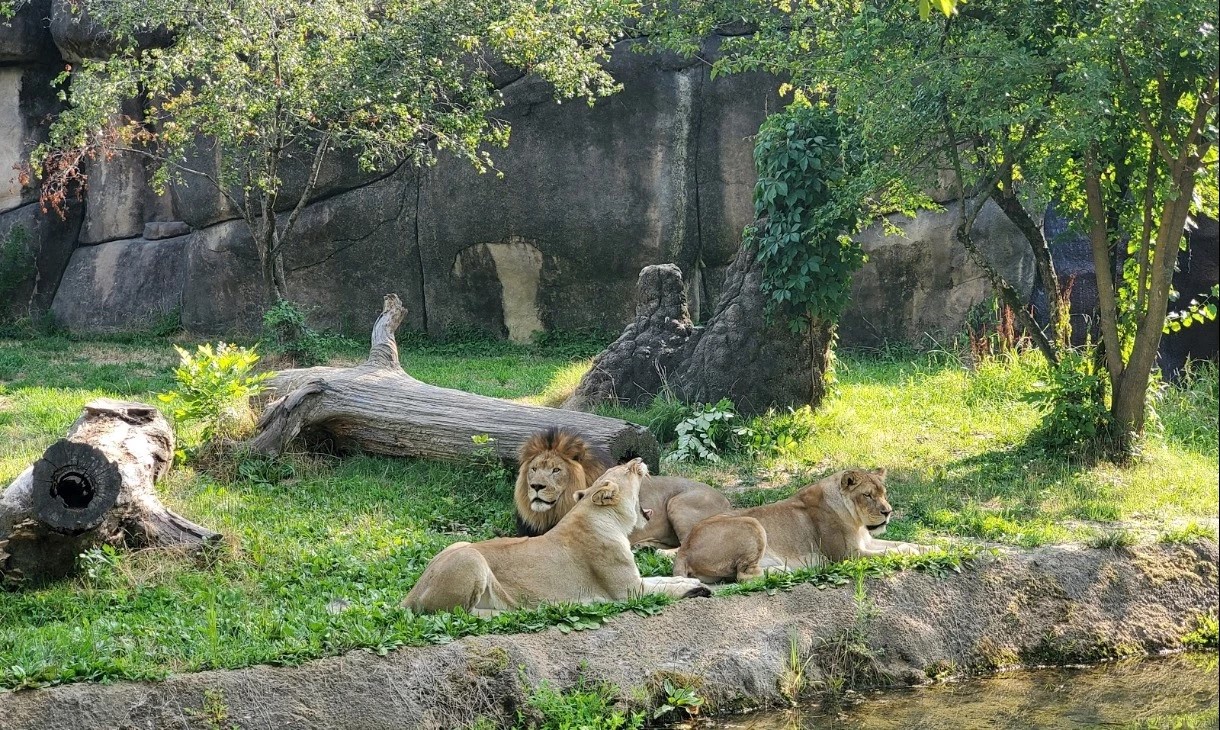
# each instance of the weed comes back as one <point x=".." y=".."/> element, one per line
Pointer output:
<point x="1114" y="540"/>
<point x="705" y="434"/>
<point x="214" y="389"/>
<point x="847" y="660"/>
<point x="792" y="680"/>
<point x="682" y="698"/>
<point x="214" y="715"/>
<point x="1205" y="635"/>
<point x="1188" y="533"/>
<point x="1073" y="401"/>
<point x="588" y="706"/>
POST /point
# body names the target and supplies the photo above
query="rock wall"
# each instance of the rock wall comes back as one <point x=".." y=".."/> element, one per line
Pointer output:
<point x="589" y="195"/>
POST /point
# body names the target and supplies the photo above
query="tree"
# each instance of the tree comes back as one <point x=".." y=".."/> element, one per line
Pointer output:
<point x="274" y="83"/>
<point x="1017" y="103"/>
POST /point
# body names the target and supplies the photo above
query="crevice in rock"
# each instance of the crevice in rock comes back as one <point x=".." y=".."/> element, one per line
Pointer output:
<point x="419" y="252"/>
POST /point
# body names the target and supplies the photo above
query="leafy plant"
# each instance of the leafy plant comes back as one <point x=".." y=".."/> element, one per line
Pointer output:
<point x="287" y="332"/>
<point x="705" y="433"/>
<point x="1072" y="399"/>
<point x="1196" y="311"/>
<point x="214" y="389"/>
<point x="1205" y="635"/>
<point x="775" y="432"/>
<point x="679" y="698"/>
<point x="587" y="706"/>
<point x="803" y="163"/>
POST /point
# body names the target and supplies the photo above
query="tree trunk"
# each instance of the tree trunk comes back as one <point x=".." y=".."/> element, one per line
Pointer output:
<point x="93" y="488"/>
<point x="377" y="408"/>
<point x="738" y="354"/>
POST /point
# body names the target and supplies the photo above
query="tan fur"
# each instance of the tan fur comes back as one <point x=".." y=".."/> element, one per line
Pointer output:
<point x="585" y="558"/>
<point x="828" y="521"/>
<point x="562" y="463"/>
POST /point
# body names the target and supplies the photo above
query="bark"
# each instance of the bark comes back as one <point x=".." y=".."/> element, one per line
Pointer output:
<point x="740" y="354"/>
<point x="95" y="487"/>
<point x="376" y="407"/>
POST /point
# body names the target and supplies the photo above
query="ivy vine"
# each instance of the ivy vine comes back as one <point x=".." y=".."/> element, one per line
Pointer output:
<point x="805" y="212"/>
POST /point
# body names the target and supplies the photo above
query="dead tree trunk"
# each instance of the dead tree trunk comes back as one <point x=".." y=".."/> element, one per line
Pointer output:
<point x="738" y="354"/>
<point x="377" y="408"/>
<point x="93" y="488"/>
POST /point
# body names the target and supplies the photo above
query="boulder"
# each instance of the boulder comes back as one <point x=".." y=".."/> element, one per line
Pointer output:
<point x="26" y="100"/>
<point x="34" y="249"/>
<point x="121" y="285"/>
<point x="347" y="251"/>
<point x="78" y="36"/>
<point x="25" y="38"/>
<point x="923" y="284"/>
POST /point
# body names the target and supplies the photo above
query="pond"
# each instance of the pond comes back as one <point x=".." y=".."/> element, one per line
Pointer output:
<point x="1177" y="692"/>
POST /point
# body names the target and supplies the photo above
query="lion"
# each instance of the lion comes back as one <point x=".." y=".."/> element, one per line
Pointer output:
<point x="556" y="464"/>
<point x="585" y="558"/>
<point x="834" y="519"/>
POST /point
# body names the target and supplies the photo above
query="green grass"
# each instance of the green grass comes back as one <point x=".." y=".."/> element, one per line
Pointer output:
<point x="319" y="552"/>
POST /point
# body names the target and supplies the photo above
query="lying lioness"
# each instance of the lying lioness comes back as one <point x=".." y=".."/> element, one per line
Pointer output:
<point x="828" y="521"/>
<point x="585" y="558"/>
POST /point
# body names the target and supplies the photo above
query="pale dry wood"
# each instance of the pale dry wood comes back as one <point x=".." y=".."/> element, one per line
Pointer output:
<point x="377" y="408"/>
<point x="95" y="487"/>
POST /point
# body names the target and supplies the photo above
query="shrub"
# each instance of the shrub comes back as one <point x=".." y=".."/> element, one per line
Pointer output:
<point x="706" y="433"/>
<point x="214" y="388"/>
<point x="1073" y="401"/>
<point x="16" y="263"/>
<point x="588" y="706"/>
<point x="775" y="432"/>
<point x="286" y="332"/>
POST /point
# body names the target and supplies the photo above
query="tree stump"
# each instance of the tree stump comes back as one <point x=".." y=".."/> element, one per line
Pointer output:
<point x="93" y="488"/>
<point x="377" y="408"/>
<point x="738" y="354"/>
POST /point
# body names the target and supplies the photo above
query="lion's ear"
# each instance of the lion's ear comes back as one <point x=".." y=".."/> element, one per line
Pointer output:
<point x="851" y="480"/>
<point x="580" y="495"/>
<point x="606" y="495"/>
<point x="880" y="472"/>
<point x="638" y="467"/>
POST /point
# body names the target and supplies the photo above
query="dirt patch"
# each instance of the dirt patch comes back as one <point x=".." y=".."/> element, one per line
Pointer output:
<point x="1051" y="605"/>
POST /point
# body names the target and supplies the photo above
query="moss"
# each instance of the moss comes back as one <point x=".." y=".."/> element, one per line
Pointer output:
<point x="487" y="661"/>
<point x="940" y="670"/>
<point x="1057" y="650"/>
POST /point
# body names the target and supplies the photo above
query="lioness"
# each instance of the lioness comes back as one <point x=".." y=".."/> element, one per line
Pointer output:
<point x="556" y="464"/>
<point x="585" y="558"/>
<point x="830" y="520"/>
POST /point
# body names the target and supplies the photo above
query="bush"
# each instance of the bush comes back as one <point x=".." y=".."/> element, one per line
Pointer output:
<point x="705" y="433"/>
<point x="16" y="264"/>
<point x="214" y="389"/>
<point x="1073" y="401"/>
<point x="286" y="332"/>
<point x="775" y="432"/>
<point x="588" y="706"/>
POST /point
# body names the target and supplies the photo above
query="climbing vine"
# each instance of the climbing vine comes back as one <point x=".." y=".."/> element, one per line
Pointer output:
<point x="805" y="211"/>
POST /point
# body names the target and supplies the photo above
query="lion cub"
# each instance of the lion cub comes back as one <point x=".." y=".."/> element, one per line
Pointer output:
<point x="828" y="521"/>
<point x="585" y="558"/>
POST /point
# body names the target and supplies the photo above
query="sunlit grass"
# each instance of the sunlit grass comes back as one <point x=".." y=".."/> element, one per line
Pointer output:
<point x="319" y="551"/>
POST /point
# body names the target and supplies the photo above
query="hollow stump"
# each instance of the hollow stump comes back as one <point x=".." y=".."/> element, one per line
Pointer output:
<point x="377" y="408"/>
<point x="95" y="487"/>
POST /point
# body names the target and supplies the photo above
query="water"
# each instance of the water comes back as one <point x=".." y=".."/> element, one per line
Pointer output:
<point x="1177" y="692"/>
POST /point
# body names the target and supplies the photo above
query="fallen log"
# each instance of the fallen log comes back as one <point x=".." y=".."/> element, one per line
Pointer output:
<point x="377" y="408"/>
<point x="95" y="487"/>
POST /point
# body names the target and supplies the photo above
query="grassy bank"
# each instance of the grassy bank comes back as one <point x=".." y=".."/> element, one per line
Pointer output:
<point x="319" y="551"/>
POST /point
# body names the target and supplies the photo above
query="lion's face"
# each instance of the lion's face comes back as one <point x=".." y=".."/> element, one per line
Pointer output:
<point x="546" y="478"/>
<point x="554" y="465"/>
<point x="865" y="493"/>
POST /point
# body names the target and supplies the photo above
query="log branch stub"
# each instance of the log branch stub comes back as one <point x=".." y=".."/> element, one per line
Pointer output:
<point x="377" y="408"/>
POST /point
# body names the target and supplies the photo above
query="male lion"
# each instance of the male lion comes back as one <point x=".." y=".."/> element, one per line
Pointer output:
<point x="556" y="464"/>
<point x="830" y="520"/>
<point x="585" y="558"/>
